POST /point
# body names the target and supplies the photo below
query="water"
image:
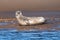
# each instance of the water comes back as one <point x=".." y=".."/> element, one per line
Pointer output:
<point x="13" y="34"/>
<point x="7" y="23"/>
<point x="3" y="23"/>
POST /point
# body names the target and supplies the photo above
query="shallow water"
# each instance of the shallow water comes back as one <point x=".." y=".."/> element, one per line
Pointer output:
<point x="7" y="22"/>
<point x="4" y="23"/>
<point x="13" y="34"/>
<point x="32" y="34"/>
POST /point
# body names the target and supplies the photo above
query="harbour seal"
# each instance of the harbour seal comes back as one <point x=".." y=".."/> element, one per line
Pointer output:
<point x="24" y="20"/>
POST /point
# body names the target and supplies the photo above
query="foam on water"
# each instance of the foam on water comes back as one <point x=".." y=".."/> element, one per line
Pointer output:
<point x="13" y="34"/>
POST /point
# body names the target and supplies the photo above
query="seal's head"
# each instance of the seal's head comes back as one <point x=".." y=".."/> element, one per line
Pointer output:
<point x="18" y="14"/>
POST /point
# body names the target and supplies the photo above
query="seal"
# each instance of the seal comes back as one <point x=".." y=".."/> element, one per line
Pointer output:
<point x="24" y="20"/>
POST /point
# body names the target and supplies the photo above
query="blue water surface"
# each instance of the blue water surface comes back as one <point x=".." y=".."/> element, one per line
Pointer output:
<point x="13" y="34"/>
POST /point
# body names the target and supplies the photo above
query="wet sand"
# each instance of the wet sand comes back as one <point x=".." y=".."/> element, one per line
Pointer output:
<point x="52" y="23"/>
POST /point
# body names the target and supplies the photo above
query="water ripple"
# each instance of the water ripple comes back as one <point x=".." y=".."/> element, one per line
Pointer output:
<point x="12" y="34"/>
